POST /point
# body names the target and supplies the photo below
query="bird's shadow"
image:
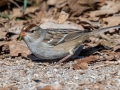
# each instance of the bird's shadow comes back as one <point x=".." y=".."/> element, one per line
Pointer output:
<point x="36" y="59"/>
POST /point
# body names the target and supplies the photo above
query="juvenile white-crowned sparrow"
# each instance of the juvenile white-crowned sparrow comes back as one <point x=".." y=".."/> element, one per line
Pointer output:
<point x="51" y="44"/>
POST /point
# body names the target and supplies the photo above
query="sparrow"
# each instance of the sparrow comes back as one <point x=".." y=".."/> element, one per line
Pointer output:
<point x="49" y="44"/>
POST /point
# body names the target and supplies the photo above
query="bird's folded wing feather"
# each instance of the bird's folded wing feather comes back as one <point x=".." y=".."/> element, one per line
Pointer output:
<point x="58" y="36"/>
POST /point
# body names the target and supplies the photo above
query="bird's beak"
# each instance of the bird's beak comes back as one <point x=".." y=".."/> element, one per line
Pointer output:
<point x="21" y="35"/>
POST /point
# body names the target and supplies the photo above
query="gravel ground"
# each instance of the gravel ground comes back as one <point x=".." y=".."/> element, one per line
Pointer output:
<point x="27" y="75"/>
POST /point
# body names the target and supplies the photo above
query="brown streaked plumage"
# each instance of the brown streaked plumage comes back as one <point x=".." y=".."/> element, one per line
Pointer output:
<point x="28" y="27"/>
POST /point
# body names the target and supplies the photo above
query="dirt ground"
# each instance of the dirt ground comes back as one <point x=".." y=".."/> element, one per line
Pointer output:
<point x="21" y="74"/>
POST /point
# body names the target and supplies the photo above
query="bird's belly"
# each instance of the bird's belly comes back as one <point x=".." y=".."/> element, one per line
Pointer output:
<point x="49" y="53"/>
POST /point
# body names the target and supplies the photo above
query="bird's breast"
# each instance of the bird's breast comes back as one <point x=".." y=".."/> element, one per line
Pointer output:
<point x="45" y="51"/>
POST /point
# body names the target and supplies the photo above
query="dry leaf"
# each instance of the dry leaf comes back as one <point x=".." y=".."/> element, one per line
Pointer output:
<point x="60" y="3"/>
<point x="78" y="6"/>
<point x="17" y="13"/>
<point x="115" y="48"/>
<point x="111" y="21"/>
<point x="83" y="63"/>
<point x="51" y="2"/>
<point x="2" y="35"/>
<point x="66" y="25"/>
<point x="63" y="17"/>
<point x="52" y="87"/>
<point x="15" y="48"/>
<point x="110" y="8"/>
<point x="9" y="88"/>
<point x="85" y="20"/>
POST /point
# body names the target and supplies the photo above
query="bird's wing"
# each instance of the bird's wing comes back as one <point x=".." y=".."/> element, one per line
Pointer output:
<point x="58" y="36"/>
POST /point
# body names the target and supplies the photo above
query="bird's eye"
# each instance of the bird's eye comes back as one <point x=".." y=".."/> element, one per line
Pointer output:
<point x="32" y="31"/>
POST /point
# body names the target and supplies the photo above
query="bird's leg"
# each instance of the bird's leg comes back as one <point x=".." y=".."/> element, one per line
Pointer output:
<point x="65" y="58"/>
<point x="73" y="53"/>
